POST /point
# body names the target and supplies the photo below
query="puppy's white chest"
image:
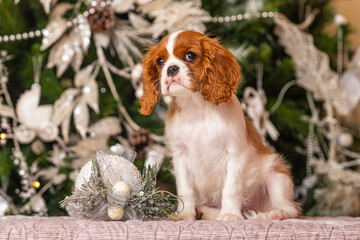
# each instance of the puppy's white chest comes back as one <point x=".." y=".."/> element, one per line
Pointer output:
<point x="196" y="133"/>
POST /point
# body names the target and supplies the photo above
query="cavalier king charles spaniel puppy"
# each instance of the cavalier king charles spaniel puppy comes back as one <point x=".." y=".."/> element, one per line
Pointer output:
<point x="221" y="166"/>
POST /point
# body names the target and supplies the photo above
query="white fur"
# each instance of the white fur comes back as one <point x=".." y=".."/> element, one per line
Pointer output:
<point x="175" y="89"/>
<point x="214" y="165"/>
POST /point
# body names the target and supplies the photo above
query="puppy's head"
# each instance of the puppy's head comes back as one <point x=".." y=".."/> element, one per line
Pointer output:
<point x="185" y="62"/>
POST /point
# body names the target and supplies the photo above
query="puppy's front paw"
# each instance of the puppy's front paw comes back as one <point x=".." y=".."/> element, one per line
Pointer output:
<point x="185" y="216"/>
<point x="278" y="215"/>
<point x="229" y="217"/>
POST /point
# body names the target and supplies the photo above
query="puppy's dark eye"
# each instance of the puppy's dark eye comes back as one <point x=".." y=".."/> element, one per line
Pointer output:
<point x="189" y="56"/>
<point x="160" y="62"/>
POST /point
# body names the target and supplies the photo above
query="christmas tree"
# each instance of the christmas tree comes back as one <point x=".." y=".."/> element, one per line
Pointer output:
<point x="71" y="78"/>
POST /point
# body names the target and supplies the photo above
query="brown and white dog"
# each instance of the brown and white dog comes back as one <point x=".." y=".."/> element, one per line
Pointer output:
<point x="221" y="166"/>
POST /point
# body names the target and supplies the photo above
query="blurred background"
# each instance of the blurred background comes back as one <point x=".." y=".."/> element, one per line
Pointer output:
<point x="71" y="78"/>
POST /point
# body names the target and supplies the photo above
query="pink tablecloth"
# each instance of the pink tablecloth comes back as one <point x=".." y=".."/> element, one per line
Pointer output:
<point x="22" y="227"/>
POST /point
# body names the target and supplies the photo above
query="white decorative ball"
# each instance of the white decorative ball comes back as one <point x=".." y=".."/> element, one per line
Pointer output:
<point x="115" y="213"/>
<point x="121" y="189"/>
<point x="340" y="19"/>
<point x="345" y="139"/>
<point x="113" y="168"/>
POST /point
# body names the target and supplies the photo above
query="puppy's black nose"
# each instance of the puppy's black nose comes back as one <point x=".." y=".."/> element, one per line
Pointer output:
<point x="172" y="70"/>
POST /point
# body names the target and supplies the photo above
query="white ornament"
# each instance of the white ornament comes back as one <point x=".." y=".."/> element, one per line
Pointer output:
<point x="102" y="38"/>
<point x="4" y="205"/>
<point x="254" y="6"/>
<point x="340" y="20"/>
<point x="37" y="147"/>
<point x="81" y="118"/>
<point x="171" y="16"/>
<point x="24" y="135"/>
<point x="345" y="139"/>
<point x="83" y="76"/>
<point x="136" y="80"/>
<point x="70" y="48"/>
<point x="34" y="118"/>
<point x="313" y="71"/>
<point x="85" y="150"/>
<point x="64" y="106"/>
<point x="38" y="204"/>
<point x="155" y="156"/>
<point x="115" y="213"/>
<point x="350" y="81"/>
<point x="91" y="94"/>
<point x="122" y="6"/>
<point x="121" y="189"/>
<point x="47" y="4"/>
<point x="106" y="127"/>
<point x="28" y="110"/>
<point x="114" y="168"/>
<point x="57" y="25"/>
<point x="255" y="108"/>
<point x="6" y="111"/>
<point x="48" y="132"/>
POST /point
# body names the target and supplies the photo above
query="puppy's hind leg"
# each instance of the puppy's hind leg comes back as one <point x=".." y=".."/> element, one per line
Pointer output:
<point x="280" y="190"/>
<point x="281" y="196"/>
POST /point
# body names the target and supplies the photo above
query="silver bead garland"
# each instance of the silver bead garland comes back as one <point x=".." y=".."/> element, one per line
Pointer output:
<point x="70" y="23"/>
<point x="45" y="32"/>
<point x="245" y="16"/>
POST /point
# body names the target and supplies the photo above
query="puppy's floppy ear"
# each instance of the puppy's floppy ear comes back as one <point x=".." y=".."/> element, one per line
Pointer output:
<point x="221" y="72"/>
<point x="151" y="93"/>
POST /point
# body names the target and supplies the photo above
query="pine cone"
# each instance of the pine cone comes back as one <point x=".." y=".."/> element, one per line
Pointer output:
<point x="139" y="140"/>
<point x="102" y="19"/>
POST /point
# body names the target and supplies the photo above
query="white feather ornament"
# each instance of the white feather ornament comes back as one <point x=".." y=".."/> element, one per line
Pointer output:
<point x="83" y="76"/>
<point x="91" y="94"/>
<point x="109" y="126"/>
<point x="61" y="55"/>
<point x="70" y="48"/>
<point x="81" y="118"/>
<point x="64" y="106"/>
<point x="173" y="16"/>
<point x="122" y="6"/>
<point x="65" y="128"/>
<point x="56" y="27"/>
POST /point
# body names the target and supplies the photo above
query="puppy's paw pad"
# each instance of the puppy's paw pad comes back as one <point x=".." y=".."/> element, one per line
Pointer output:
<point x="278" y="215"/>
<point x="229" y="217"/>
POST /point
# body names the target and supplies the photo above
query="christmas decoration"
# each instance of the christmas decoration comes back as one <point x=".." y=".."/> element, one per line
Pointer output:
<point x="350" y="81"/>
<point x="139" y="140"/>
<point x="82" y="102"/>
<point x="110" y="187"/>
<point x="4" y="205"/>
<point x="314" y="74"/>
<point x="254" y="106"/>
